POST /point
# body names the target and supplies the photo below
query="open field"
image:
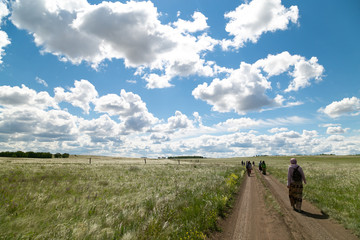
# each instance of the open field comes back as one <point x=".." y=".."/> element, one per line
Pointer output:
<point x="114" y="198"/>
<point x="333" y="184"/>
<point x="127" y="199"/>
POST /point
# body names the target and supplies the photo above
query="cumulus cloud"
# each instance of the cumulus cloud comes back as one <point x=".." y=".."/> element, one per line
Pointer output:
<point x="336" y="130"/>
<point x="102" y="129"/>
<point x="179" y="124"/>
<point x="38" y="127"/>
<point x="245" y="89"/>
<point x="335" y="138"/>
<point x="4" y="41"/>
<point x="234" y="125"/>
<point x="251" y="143"/>
<point x="35" y="123"/>
<point x="276" y="130"/>
<point x="303" y="70"/>
<point x="4" y="11"/>
<point x="252" y="19"/>
<point x="79" y="96"/>
<point x="4" y="38"/>
<point x="179" y="121"/>
<point x="343" y="107"/>
<point x="74" y="31"/>
<point x="158" y="138"/>
<point x="25" y="97"/>
<point x="129" y="107"/>
<point x="199" y="23"/>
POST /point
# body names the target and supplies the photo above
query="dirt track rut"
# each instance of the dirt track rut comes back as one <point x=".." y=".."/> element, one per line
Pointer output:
<point x="253" y="218"/>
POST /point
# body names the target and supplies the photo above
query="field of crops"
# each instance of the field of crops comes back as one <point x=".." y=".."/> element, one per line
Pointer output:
<point x="333" y="184"/>
<point x="114" y="198"/>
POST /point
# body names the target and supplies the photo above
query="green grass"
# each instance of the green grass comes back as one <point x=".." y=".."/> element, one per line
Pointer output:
<point x="114" y="199"/>
<point x="333" y="184"/>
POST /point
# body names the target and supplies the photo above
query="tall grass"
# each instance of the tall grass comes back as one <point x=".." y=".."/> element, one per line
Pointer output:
<point x="333" y="184"/>
<point x="113" y="201"/>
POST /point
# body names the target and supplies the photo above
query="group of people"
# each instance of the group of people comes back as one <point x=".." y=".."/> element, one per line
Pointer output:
<point x="262" y="167"/>
<point x="249" y="166"/>
<point x="295" y="180"/>
<point x="243" y="163"/>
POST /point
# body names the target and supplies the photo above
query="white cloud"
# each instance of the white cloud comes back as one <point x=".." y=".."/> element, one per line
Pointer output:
<point x="343" y="107"/>
<point x="243" y="91"/>
<point x="199" y="23"/>
<point x="25" y="97"/>
<point x="276" y="130"/>
<point x="41" y="81"/>
<point x="179" y="121"/>
<point x="102" y="129"/>
<point x="34" y="123"/>
<point x="303" y="70"/>
<point x="74" y="31"/>
<point x="329" y="125"/>
<point x="246" y="88"/>
<point x="157" y="138"/>
<point x="335" y="138"/>
<point x="336" y="130"/>
<point x="79" y="96"/>
<point x="124" y="105"/>
<point x="38" y="127"/>
<point x="4" y="38"/>
<point x="250" y="20"/>
<point x="129" y="107"/>
<point x="156" y="81"/>
<point x="234" y="125"/>
<point x="4" y="11"/>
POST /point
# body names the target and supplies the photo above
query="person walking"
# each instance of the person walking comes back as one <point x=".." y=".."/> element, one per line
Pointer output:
<point x="263" y="167"/>
<point x="248" y="168"/>
<point x="260" y="166"/>
<point x="296" y="177"/>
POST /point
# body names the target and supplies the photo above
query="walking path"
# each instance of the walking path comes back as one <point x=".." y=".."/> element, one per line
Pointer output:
<point x="262" y="211"/>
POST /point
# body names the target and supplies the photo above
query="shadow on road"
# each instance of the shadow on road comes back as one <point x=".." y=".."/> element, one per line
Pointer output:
<point x="316" y="216"/>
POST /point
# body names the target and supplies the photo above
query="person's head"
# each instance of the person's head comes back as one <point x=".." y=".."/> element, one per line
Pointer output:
<point x="293" y="161"/>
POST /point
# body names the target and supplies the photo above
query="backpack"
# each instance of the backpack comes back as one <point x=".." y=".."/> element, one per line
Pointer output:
<point x="296" y="175"/>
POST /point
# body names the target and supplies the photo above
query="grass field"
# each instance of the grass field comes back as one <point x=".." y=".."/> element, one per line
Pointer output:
<point x="128" y="199"/>
<point x="114" y="198"/>
<point x="333" y="184"/>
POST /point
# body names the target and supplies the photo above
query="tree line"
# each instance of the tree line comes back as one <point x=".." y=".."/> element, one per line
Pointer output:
<point x="20" y="154"/>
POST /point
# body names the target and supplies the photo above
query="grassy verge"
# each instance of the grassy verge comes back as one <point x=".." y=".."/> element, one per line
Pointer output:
<point x="270" y="201"/>
<point x="113" y="201"/>
<point x="333" y="184"/>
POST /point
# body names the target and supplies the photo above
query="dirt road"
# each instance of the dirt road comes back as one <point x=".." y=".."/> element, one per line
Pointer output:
<point x="262" y="211"/>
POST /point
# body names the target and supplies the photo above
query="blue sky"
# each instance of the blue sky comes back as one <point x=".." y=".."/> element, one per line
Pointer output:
<point x="168" y="78"/>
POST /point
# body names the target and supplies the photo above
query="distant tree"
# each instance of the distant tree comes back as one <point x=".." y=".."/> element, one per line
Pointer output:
<point x="20" y="154"/>
<point x="57" y="155"/>
<point x="65" y="155"/>
<point x="45" y="155"/>
<point x="31" y="154"/>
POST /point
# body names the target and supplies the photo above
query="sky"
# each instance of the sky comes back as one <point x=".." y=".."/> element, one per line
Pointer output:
<point x="180" y="77"/>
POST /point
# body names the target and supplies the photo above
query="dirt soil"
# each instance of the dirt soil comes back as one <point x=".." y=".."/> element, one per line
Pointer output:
<point x="262" y="211"/>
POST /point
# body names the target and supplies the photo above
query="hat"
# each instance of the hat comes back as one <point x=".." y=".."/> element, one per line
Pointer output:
<point x="293" y="161"/>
